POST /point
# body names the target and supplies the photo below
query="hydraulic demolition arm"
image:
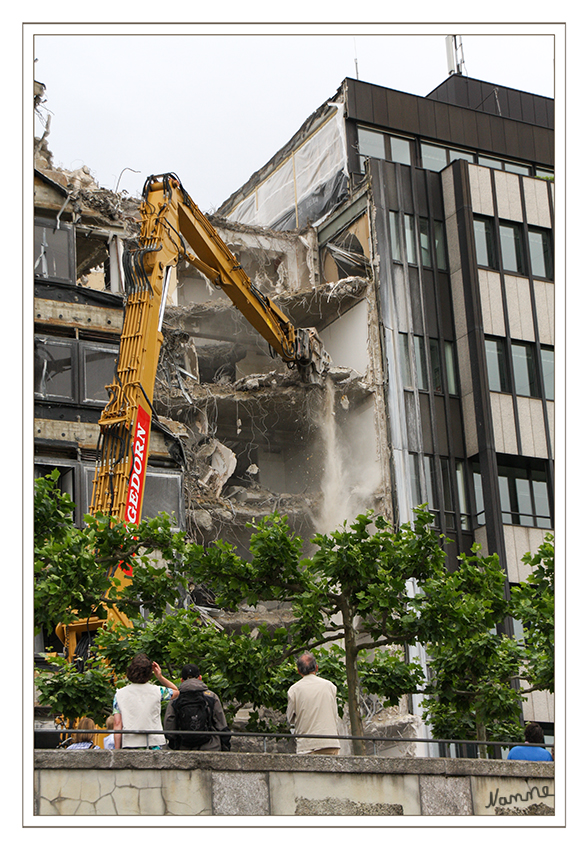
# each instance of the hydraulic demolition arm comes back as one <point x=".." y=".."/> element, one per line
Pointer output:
<point x="173" y="228"/>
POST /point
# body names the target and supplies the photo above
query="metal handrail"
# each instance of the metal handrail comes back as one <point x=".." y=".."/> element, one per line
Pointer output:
<point x="293" y="736"/>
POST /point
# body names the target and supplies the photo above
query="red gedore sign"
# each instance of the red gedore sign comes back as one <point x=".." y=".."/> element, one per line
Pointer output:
<point x="137" y="479"/>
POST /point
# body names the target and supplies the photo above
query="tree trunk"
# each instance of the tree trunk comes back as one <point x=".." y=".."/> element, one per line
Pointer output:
<point x="481" y="736"/>
<point x="352" y="681"/>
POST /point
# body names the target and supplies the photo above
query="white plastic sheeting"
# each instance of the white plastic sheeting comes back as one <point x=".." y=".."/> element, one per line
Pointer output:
<point x="309" y="182"/>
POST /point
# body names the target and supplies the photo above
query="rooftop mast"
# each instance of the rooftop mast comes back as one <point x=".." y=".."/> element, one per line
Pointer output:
<point x="454" y="49"/>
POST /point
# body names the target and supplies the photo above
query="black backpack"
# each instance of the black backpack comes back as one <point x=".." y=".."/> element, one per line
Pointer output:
<point x="193" y="710"/>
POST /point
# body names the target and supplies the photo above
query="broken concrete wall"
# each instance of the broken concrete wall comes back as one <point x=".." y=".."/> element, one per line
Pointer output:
<point x="218" y="377"/>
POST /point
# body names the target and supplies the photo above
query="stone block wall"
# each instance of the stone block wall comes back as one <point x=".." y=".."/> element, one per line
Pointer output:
<point x="254" y="784"/>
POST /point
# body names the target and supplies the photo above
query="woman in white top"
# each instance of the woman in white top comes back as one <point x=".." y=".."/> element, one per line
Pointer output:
<point x="138" y="705"/>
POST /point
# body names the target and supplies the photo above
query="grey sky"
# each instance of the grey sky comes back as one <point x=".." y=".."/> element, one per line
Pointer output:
<point x="215" y="108"/>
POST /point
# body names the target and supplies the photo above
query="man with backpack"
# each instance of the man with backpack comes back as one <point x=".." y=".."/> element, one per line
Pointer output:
<point x="196" y="709"/>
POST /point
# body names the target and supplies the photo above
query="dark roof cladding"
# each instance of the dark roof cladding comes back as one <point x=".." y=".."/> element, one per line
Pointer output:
<point x="444" y="122"/>
<point x="496" y="100"/>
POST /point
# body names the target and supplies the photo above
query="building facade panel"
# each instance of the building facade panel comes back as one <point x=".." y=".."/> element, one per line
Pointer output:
<point x="520" y="314"/>
<point x="532" y="427"/>
<point x="508" y="198"/>
<point x="520" y="540"/>
<point x="545" y="305"/>
<point x="492" y="303"/>
<point x="503" y="422"/>
<point x="536" y="194"/>
<point x="481" y="189"/>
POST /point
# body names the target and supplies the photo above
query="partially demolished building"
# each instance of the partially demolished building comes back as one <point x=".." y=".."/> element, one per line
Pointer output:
<point x="415" y="235"/>
<point x="447" y="201"/>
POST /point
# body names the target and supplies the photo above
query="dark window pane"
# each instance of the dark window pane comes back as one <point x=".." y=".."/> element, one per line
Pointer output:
<point x="461" y="495"/>
<point x="162" y="493"/>
<point x="421" y="363"/>
<point x="52" y="252"/>
<point x="431" y="496"/>
<point x="505" y="501"/>
<point x="516" y="168"/>
<point x="404" y="360"/>
<point x="440" y="246"/>
<point x="400" y="150"/>
<point x="453" y="154"/>
<point x="409" y="235"/>
<point x="424" y="239"/>
<point x="53" y="369"/>
<point x="540" y="253"/>
<point x="435" y="365"/>
<point x="524" y="504"/>
<point x="395" y="236"/>
<point x="371" y="144"/>
<point x="489" y="162"/>
<point x="524" y="497"/>
<point x="98" y="371"/>
<point x="446" y="481"/>
<point x="496" y="364"/>
<point x="434" y="158"/>
<point x="479" y="496"/>
<point x="450" y="367"/>
<point x="415" y="484"/>
<point x="484" y="239"/>
<point x="541" y="504"/>
<point x="548" y="364"/>
<point x="523" y="364"/>
<point x="510" y="245"/>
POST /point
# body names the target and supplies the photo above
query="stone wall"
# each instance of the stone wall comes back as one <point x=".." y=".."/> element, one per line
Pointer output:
<point x="225" y="784"/>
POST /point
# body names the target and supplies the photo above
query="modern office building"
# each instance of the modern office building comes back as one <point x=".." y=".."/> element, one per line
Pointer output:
<point x="446" y="203"/>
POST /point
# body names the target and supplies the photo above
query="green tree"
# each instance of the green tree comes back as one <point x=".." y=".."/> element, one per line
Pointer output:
<point x="349" y="601"/>
<point x="74" y="567"/>
<point x="470" y="693"/>
<point x="533" y="603"/>
<point x="353" y="590"/>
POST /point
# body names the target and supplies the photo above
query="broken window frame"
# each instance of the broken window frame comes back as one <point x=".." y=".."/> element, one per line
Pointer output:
<point x="78" y="351"/>
<point x="51" y="265"/>
<point x="85" y="350"/>
<point x="42" y="378"/>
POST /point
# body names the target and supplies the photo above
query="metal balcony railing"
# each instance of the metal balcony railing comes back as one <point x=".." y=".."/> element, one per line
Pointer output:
<point x="462" y="747"/>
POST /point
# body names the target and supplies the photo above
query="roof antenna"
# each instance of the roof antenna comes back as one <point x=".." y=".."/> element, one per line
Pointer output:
<point x="454" y="50"/>
<point x="356" y="65"/>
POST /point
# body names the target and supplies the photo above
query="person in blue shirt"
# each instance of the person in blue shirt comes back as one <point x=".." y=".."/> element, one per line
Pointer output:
<point x="530" y="751"/>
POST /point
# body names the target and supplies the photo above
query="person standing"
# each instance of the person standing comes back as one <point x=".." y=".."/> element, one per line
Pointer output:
<point x="138" y="705"/>
<point x="530" y="751"/>
<point x="197" y="709"/>
<point x="312" y="709"/>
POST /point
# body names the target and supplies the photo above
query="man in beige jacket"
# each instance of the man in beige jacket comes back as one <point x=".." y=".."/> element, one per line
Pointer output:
<point x="312" y="710"/>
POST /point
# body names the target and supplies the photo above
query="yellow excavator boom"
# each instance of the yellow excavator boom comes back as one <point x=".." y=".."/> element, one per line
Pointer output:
<point x="172" y="229"/>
